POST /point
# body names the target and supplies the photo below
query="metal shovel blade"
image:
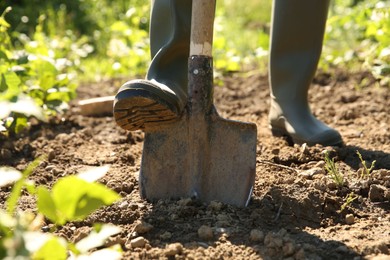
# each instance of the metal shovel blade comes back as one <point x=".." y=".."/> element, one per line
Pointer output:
<point x="226" y="164"/>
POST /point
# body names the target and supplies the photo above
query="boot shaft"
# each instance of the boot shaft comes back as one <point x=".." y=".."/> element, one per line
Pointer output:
<point x="296" y="40"/>
<point x="170" y="23"/>
<point x="170" y="30"/>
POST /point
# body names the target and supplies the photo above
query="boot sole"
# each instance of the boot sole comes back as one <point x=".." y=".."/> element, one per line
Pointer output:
<point x="141" y="110"/>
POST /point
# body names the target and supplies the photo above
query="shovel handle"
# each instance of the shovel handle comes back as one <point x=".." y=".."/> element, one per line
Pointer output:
<point x="202" y="25"/>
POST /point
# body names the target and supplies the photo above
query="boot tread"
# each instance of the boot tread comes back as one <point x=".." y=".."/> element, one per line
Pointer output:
<point x="142" y="113"/>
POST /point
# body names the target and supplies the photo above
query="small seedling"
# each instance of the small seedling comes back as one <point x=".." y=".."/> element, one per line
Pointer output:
<point x="348" y="200"/>
<point x="366" y="172"/>
<point x="333" y="170"/>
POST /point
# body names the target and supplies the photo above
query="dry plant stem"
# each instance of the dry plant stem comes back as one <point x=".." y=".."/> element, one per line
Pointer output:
<point x="279" y="211"/>
<point x="278" y="165"/>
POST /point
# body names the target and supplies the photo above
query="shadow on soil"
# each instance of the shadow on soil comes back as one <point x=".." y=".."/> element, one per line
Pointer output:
<point x="349" y="155"/>
<point x="281" y="218"/>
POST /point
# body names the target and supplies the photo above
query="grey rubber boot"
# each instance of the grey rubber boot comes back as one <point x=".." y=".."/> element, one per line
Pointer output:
<point x="296" y="42"/>
<point x="160" y="98"/>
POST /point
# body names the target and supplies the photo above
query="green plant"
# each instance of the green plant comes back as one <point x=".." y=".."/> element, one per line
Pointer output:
<point x="9" y="175"/>
<point x="126" y="51"/>
<point x="357" y="37"/>
<point x="36" y="74"/>
<point x="9" y="82"/>
<point x="366" y="172"/>
<point x="333" y="170"/>
<point x="348" y="200"/>
<point x="235" y="48"/>
<point x="72" y="198"/>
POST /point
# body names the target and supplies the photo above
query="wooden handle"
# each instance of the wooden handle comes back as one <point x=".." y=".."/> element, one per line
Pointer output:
<point x="202" y="25"/>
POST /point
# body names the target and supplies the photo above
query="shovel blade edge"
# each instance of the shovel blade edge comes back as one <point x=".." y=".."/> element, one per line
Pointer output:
<point x="232" y="162"/>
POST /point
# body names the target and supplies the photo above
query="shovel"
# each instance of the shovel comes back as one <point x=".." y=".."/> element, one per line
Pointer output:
<point x="202" y="155"/>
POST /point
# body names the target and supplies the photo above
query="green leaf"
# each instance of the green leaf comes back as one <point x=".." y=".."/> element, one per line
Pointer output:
<point x="4" y="23"/>
<point x="51" y="250"/>
<point x="6" y="220"/>
<point x="3" y="251"/>
<point x="93" y="174"/>
<point x="47" y="80"/>
<point x="12" y="81"/>
<point x="5" y="109"/>
<point x="2" y="127"/>
<point x="99" y="191"/>
<point x="66" y="193"/>
<point x="97" y="238"/>
<point x="3" y="84"/>
<point x="47" y="207"/>
<point x="28" y="107"/>
<point x="112" y="253"/>
<point x="119" y="26"/>
<point x="30" y="187"/>
<point x="9" y="175"/>
<point x="57" y="95"/>
<point x="97" y="195"/>
<point x="24" y="106"/>
<point x="14" y="196"/>
<point x="76" y="198"/>
<point x="20" y="124"/>
<point x="12" y="200"/>
<point x="86" y="205"/>
<point x="4" y="54"/>
<point x="9" y="85"/>
<point x="43" y="68"/>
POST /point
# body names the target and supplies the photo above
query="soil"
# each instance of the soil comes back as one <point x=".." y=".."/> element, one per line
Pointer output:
<point x="296" y="208"/>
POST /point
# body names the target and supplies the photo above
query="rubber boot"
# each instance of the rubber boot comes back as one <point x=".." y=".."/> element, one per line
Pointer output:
<point x="297" y="33"/>
<point x="160" y="98"/>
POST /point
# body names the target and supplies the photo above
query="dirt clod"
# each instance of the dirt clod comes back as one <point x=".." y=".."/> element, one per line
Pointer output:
<point x="51" y="155"/>
<point x="5" y="154"/>
<point x="143" y="227"/>
<point x="273" y="240"/>
<point x="377" y="192"/>
<point x="205" y="233"/>
<point x="138" y="242"/>
<point x="166" y="235"/>
<point x="349" y="219"/>
<point x="173" y="249"/>
<point x="288" y="249"/>
<point x="308" y="174"/>
<point x="256" y="235"/>
<point x="81" y="233"/>
<point x="215" y="206"/>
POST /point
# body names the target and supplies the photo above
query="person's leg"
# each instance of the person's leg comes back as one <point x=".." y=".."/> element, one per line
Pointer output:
<point x="297" y="33"/>
<point x="161" y="97"/>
